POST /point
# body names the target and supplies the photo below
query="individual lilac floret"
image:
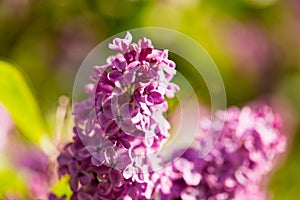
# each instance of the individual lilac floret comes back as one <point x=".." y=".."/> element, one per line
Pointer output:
<point x="244" y="154"/>
<point x="120" y="123"/>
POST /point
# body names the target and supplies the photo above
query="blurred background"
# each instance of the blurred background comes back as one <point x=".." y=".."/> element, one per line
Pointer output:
<point x="255" y="44"/>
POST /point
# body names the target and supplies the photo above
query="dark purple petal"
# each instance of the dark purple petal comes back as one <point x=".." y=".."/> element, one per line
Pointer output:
<point x="74" y="168"/>
<point x="120" y="64"/>
<point x="112" y="128"/>
<point x="133" y="192"/>
<point x="102" y="170"/>
<point x="83" y="153"/>
<point x="84" y="196"/>
<point x="126" y="144"/>
<point x="115" y="75"/>
<point x="107" y="110"/>
<point x="73" y="183"/>
<point x="107" y="88"/>
<point x="64" y="158"/>
<point x="104" y="188"/>
<point x="115" y="177"/>
<point x="54" y="197"/>
<point x="84" y="178"/>
<point x="74" y="196"/>
<point x="155" y="97"/>
<point x="144" y="53"/>
<point x="103" y="120"/>
<point x="130" y="56"/>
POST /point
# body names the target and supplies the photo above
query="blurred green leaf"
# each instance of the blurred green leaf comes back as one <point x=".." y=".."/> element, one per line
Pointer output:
<point x="16" y="96"/>
<point x="12" y="184"/>
<point x="62" y="187"/>
<point x="289" y="88"/>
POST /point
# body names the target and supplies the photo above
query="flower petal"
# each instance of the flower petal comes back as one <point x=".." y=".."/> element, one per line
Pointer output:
<point x="115" y="177"/>
<point x="84" y="179"/>
<point x="110" y="156"/>
<point x="114" y="75"/>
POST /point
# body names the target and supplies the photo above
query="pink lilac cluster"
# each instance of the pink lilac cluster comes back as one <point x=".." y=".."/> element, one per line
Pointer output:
<point x="120" y="123"/>
<point x="36" y="164"/>
<point x="244" y="154"/>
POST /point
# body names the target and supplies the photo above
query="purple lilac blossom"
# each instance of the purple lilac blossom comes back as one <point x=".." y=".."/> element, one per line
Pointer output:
<point x="245" y="153"/>
<point x="36" y="163"/>
<point x="120" y="123"/>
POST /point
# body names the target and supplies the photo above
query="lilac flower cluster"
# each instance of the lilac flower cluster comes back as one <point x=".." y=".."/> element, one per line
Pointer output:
<point x="127" y="96"/>
<point x="235" y="168"/>
<point x="120" y="123"/>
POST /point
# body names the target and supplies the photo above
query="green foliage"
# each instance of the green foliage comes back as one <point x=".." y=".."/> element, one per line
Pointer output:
<point x="62" y="187"/>
<point x="16" y="96"/>
<point x="11" y="182"/>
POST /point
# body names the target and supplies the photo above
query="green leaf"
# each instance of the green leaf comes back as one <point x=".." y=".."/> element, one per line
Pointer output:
<point x="62" y="187"/>
<point x="11" y="183"/>
<point x="16" y="96"/>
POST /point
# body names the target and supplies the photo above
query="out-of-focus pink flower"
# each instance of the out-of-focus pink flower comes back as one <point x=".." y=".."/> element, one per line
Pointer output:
<point x="35" y="165"/>
<point x="250" y="48"/>
<point x="236" y="167"/>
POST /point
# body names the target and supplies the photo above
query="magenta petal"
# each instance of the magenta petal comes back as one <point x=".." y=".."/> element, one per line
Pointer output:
<point x="115" y="177"/>
<point x="111" y="128"/>
<point x="125" y="143"/>
<point x="144" y="53"/>
<point x="114" y="75"/>
<point x="155" y="97"/>
<point x="106" y="88"/>
<point x="132" y="192"/>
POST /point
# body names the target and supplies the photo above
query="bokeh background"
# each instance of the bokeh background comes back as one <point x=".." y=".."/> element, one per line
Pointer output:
<point x="255" y="44"/>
